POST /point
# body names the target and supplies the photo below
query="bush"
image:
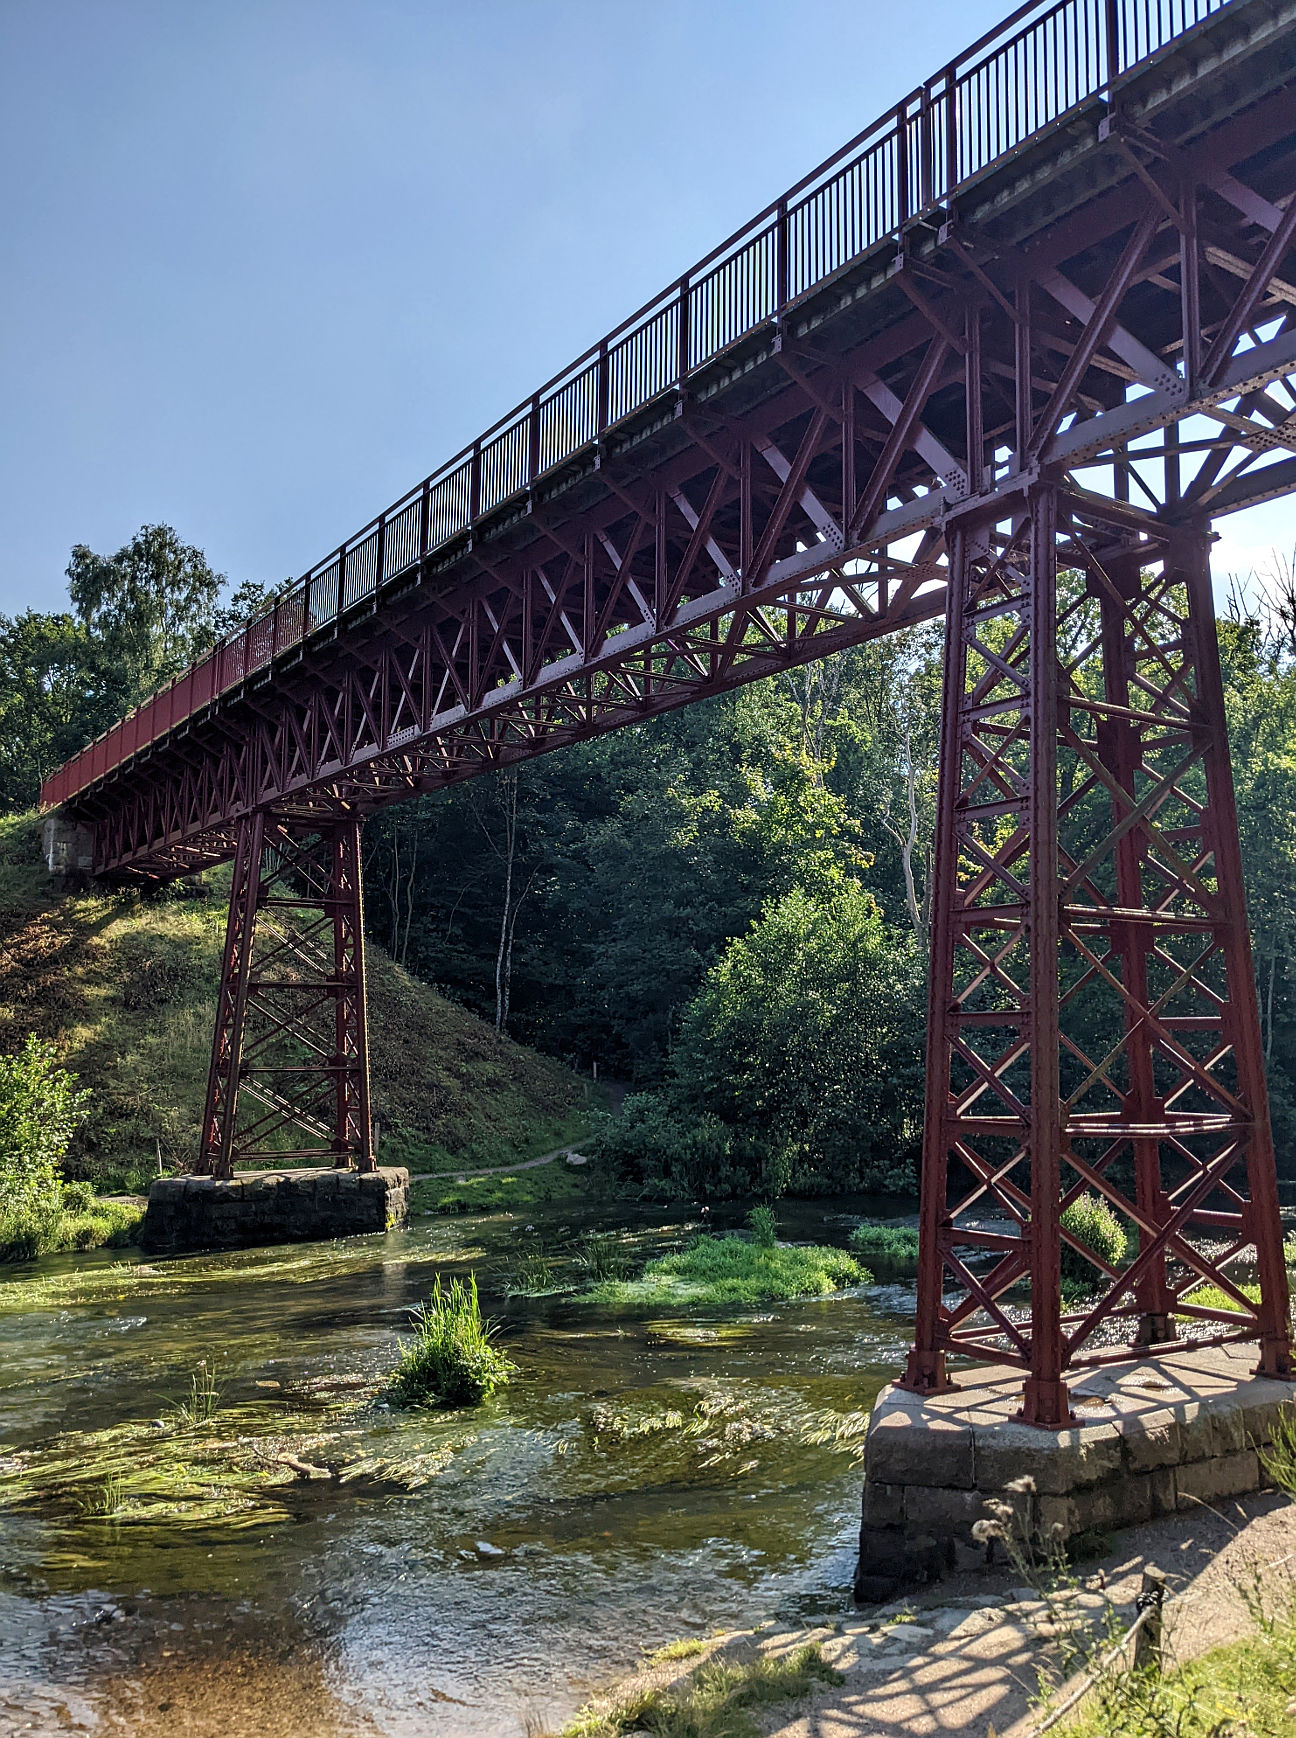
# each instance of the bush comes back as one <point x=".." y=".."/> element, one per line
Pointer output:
<point x="40" y="1110"/>
<point x="1092" y="1221"/>
<point x="799" y="1063"/>
<point x="452" y="1361"/>
<point x="763" y="1226"/>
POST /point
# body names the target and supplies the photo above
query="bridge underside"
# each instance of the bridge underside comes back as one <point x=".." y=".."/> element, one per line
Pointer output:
<point x="1020" y="414"/>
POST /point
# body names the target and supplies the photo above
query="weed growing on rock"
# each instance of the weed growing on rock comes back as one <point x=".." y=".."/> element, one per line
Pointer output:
<point x="732" y="1270"/>
<point x="891" y="1250"/>
<point x="452" y="1361"/>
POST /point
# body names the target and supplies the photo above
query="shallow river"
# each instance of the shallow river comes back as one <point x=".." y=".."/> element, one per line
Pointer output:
<point x="642" y="1477"/>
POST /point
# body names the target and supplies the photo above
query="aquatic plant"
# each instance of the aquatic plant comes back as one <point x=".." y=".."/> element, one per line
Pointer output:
<point x="452" y="1361"/>
<point x="712" y="1702"/>
<point x="202" y="1403"/>
<point x="49" y="1227"/>
<point x="732" y="1270"/>
<point x="603" y="1256"/>
<point x="891" y="1250"/>
<point x="763" y="1227"/>
<point x="104" y="1500"/>
<point x="534" y="1273"/>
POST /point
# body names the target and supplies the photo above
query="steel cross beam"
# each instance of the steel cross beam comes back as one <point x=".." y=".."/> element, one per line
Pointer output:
<point x="1019" y="406"/>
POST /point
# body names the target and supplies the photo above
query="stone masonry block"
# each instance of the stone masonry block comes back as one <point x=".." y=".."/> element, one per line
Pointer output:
<point x="1152" y="1441"/>
<point x="1261" y="1418"/>
<point x="906" y="1449"/>
<point x="1055" y="1517"/>
<point x="1165" y="1494"/>
<point x="1208" y="1481"/>
<point x="1196" y="1431"/>
<point x="1228" y="1425"/>
<point x="941" y="1512"/>
<point x="883" y="1505"/>
<point x="1058" y="1462"/>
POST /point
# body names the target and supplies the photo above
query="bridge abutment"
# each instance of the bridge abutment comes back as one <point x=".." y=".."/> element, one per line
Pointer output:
<point x="272" y="1206"/>
<point x="1152" y="1437"/>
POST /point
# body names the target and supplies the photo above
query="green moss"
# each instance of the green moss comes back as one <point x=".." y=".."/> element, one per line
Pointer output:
<point x="731" y="1270"/>
<point x="713" y="1701"/>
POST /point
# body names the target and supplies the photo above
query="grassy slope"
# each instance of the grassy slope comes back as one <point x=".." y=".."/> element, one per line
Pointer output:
<point x="128" y="990"/>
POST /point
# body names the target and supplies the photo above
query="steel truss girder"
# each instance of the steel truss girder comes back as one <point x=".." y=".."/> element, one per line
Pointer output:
<point x="290" y="1051"/>
<point x="1093" y="1025"/>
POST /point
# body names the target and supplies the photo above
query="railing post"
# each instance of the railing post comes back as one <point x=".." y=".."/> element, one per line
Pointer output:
<point x="533" y="456"/>
<point x="380" y="554"/>
<point x="925" y="152"/>
<point x="782" y="273"/>
<point x="1111" y="12"/>
<point x="604" y="387"/>
<point x="902" y="165"/>
<point x="425" y="517"/>
<point x="951" y="131"/>
<point x="474" y="484"/>
<point x="682" y="359"/>
<point x="341" y="589"/>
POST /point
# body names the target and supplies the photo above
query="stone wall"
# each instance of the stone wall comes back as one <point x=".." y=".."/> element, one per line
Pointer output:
<point x="1162" y="1434"/>
<point x="256" y="1207"/>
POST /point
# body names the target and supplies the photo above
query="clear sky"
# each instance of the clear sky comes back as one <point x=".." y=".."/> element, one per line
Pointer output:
<point x="268" y="262"/>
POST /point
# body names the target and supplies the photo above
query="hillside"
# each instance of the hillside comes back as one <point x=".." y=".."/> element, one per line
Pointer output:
<point x="127" y="988"/>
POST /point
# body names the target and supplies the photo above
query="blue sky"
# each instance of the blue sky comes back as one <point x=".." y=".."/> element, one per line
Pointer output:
<point x="267" y="262"/>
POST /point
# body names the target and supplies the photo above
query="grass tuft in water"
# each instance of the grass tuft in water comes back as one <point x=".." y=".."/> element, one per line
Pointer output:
<point x="890" y="1250"/>
<point x="732" y="1270"/>
<point x="603" y="1257"/>
<point x="202" y="1402"/>
<point x="452" y="1361"/>
<point x="712" y="1702"/>
<point x="763" y="1227"/>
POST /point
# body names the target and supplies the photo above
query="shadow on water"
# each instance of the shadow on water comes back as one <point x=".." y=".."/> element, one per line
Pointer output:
<point x="644" y="1475"/>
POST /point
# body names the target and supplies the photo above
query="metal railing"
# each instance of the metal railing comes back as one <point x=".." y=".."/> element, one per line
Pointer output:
<point x="1032" y="71"/>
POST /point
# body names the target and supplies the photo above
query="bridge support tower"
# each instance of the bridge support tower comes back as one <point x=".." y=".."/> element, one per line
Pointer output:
<point x="290" y="1054"/>
<point x="1093" y="1025"/>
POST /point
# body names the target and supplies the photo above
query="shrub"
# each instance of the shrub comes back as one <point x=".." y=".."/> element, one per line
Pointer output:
<point x="1090" y="1220"/>
<point x="40" y="1110"/>
<point x="763" y="1226"/>
<point x="452" y="1361"/>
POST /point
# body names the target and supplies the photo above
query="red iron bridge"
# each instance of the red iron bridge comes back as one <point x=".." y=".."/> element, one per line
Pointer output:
<point x="1001" y="361"/>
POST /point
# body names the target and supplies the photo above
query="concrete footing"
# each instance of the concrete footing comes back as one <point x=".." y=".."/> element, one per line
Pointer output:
<point x="1166" y="1433"/>
<point x="256" y="1207"/>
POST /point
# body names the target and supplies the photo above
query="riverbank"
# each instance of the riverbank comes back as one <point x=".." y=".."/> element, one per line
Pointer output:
<point x="966" y="1657"/>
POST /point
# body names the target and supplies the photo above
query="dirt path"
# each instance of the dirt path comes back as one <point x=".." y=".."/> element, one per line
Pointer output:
<point x="496" y="1170"/>
<point x="962" y="1658"/>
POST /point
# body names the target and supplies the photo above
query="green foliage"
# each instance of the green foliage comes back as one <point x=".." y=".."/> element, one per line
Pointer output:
<point x="763" y="1225"/>
<point x="732" y="1270"/>
<point x="40" y="1110"/>
<point x="890" y="1250"/>
<point x="54" y="1227"/>
<point x="452" y="1361"/>
<point x="713" y="1701"/>
<point x="799" y="1065"/>
<point x="603" y="1257"/>
<point x="1092" y="1220"/>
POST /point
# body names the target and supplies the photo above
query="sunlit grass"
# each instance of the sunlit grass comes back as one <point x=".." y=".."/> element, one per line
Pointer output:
<point x="732" y="1270"/>
<point x="712" y="1702"/>
<point x="452" y="1361"/>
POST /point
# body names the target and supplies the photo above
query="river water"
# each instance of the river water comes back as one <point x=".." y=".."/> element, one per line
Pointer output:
<point x="642" y="1477"/>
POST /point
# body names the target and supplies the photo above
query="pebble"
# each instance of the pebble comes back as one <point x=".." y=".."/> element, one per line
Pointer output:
<point x="909" y="1632"/>
<point x="484" y="1548"/>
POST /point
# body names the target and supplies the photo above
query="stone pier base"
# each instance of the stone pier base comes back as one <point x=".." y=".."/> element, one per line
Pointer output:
<point x="255" y="1207"/>
<point x="1167" y="1433"/>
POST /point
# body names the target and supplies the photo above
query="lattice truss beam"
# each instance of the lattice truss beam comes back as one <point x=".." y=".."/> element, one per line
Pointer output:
<point x="289" y="1077"/>
<point x="1142" y="347"/>
<point x="1093" y="1024"/>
